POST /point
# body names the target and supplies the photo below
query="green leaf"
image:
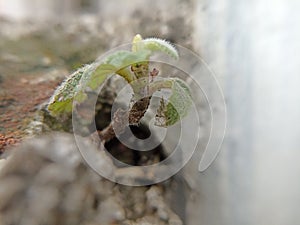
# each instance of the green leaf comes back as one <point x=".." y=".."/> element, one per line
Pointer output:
<point x="90" y="76"/>
<point x="98" y="76"/>
<point x="123" y="59"/>
<point x="178" y="104"/>
<point x="60" y="107"/>
<point x="62" y="100"/>
<point x="156" y="44"/>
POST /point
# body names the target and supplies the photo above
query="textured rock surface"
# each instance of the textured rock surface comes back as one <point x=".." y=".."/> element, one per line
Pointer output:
<point x="45" y="181"/>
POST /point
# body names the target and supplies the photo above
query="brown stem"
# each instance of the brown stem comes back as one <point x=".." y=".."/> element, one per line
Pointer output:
<point x="122" y="118"/>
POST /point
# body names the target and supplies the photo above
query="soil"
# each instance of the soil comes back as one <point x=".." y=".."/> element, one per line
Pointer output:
<point x="19" y="101"/>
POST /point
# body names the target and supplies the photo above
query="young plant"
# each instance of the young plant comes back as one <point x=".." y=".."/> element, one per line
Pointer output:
<point x="134" y="67"/>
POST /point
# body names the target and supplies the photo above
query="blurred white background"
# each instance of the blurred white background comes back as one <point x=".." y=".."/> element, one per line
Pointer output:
<point x="254" y="48"/>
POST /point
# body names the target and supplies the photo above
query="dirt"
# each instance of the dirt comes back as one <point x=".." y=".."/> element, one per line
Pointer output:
<point x="19" y="101"/>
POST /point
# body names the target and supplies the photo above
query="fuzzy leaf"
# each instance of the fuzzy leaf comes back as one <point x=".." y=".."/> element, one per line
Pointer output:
<point x="92" y="76"/>
<point x="177" y="105"/>
<point x="123" y="59"/>
<point x="73" y="87"/>
<point x="62" y="100"/>
<point x="97" y="77"/>
<point x="156" y="44"/>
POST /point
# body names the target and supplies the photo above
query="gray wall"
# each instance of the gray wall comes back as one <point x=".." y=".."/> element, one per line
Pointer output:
<point x="253" y="46"/>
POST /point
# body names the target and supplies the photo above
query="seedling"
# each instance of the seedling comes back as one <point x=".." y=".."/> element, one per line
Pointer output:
<point x="134" y="67"/>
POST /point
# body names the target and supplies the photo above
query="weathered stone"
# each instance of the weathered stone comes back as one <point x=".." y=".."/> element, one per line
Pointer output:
<point x="46" y="181"/>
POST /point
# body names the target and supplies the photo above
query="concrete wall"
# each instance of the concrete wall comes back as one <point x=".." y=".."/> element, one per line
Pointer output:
<point x="252" y="46"/>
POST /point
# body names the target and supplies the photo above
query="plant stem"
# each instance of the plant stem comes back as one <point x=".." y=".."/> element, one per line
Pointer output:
<point x="123" y="118"/>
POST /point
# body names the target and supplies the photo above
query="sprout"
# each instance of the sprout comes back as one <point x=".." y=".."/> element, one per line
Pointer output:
<point x="133" y="66"/>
